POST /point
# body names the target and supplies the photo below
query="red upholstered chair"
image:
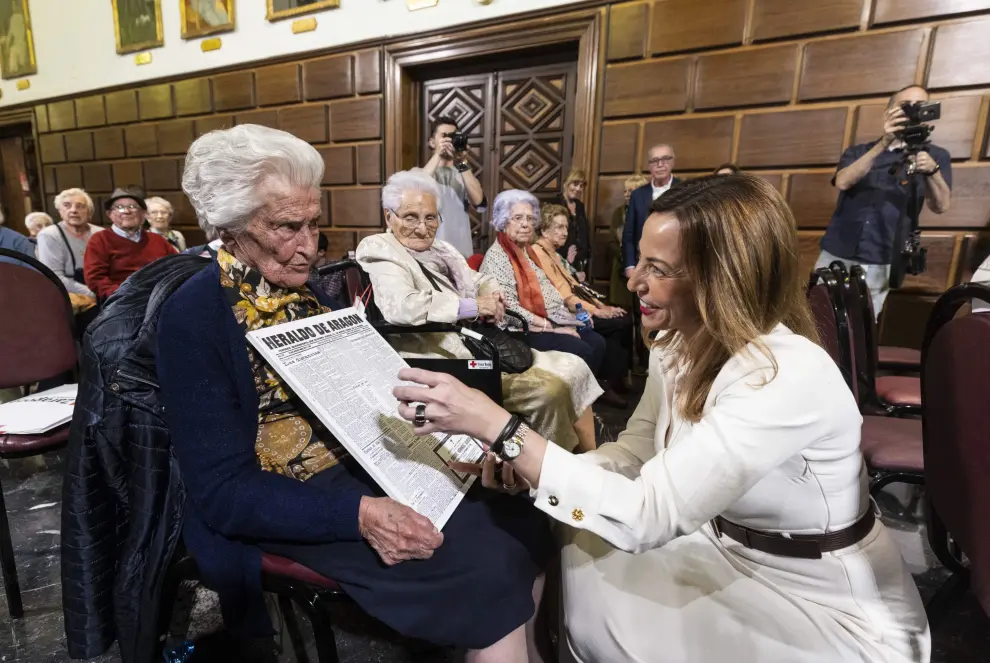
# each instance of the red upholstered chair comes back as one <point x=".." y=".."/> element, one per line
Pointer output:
<point x="956" y="384"/>
<point x="891" y="447"/>
<point x="36" y="343"/>
<point x="899" y="360"/>
<point x="474" y="262"/>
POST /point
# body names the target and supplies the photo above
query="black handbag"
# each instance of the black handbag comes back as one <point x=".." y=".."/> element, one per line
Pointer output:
<point x="514" y="353"/>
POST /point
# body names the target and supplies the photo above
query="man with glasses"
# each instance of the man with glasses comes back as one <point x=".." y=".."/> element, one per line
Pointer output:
<point x="661" y="163"/>
<point x="113" y="256"/>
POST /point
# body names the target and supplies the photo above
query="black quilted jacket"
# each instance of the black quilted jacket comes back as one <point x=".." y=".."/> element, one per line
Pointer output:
<point x="122" y="498"/>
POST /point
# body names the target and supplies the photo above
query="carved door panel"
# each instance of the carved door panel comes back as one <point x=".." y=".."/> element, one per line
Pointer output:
<point x="520" y="128"/>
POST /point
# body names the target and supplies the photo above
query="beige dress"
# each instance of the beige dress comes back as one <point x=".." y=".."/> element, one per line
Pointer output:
<point x="646" y="578"/>
<point x="551" y="395"/>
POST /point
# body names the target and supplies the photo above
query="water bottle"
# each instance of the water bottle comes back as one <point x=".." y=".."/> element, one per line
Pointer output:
<point x="583" y="317"/>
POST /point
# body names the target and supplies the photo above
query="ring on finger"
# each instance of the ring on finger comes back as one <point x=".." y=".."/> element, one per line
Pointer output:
<point x="420" y="418"/>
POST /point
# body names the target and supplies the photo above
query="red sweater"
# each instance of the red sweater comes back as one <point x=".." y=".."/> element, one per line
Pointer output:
<point x="110" y="258"/>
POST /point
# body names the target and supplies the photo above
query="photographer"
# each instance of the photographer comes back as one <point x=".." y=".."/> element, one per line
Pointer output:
<point x="458" y="185"/>
<point x="874" y="188"/>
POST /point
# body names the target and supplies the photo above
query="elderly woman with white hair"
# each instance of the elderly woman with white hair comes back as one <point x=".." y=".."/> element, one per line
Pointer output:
<point x="514" y="264"/>
<point x="419" y="279"/>
<point x="263" y="474"/>
<point x="160" y="214"/>
<point x="62" y="247"/>
<point x="35" y="222"/>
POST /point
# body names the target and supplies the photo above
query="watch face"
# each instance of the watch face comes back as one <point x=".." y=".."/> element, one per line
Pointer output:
<point x="511" y="449"/>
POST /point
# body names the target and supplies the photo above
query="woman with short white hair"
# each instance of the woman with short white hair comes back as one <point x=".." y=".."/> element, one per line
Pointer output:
<point x="62" y="247"/>
<point x="160" y="214"/>
<point x="35" y="222"/>
<point x="420" y="279"/>
<point x="263" y="474"/>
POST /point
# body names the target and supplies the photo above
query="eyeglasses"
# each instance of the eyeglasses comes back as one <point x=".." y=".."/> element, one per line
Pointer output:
<point x="125" y="208"/>
<point x="655" y="161"/>
<point x="411" y="221"/>
<point x="519" y="218"/>
<point x="159" y="213"/>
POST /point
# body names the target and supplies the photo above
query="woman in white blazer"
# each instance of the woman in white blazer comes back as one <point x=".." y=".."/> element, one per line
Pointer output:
<point x="731" y="521"/>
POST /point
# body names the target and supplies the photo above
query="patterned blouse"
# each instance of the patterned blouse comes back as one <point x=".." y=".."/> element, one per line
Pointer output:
<point x="497" y="265"/>
<point x="291" y="440"/>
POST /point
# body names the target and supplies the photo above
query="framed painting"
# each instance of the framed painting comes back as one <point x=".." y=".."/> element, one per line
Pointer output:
<point x="279" y="9"/>
<point x="206" y="17"/>
<point x="137" y="25"/>
<point x="16" y="41"/>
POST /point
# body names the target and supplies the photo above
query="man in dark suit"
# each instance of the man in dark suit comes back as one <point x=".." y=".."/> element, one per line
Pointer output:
<point x="661" y="162"/>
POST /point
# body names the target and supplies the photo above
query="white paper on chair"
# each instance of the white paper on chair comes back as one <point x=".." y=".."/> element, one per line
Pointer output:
<point x="38" y="413"/>
<point x="344" y="371"/>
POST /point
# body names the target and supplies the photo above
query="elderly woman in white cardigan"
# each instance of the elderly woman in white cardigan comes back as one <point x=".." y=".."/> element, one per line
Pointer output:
<point x="555" y="395"/>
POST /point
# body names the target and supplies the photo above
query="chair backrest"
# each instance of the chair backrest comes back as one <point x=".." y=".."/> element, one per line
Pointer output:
<point x="955" y="383"/>
<point x="827" y="305"/>
<point x="859" y="307"/>
<point x="37" y="327"/>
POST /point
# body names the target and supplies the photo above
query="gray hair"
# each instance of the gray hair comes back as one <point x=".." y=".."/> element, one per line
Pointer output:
<point x="37" y="220"/>
<point x="68" y="193"/>
<point x="229" y="172"/>
<point x="416" y="179"/>
<point x="160" y="201"/>
<point x="504" y="203"/>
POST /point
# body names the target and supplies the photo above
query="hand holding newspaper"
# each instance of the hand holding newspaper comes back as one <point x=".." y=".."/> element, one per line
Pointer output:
<point x="344" y="371"/>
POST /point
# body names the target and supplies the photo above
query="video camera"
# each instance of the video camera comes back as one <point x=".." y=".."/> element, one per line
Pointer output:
<point x="917" y="131"/>
<point x="458" y="140"/>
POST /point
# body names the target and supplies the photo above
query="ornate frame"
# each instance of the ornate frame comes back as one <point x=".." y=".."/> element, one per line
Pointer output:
<point x="32" y="67"/>
<point x="132" y="48"/>
<point x="231" y="6"/>
<point x="278" y="15"/>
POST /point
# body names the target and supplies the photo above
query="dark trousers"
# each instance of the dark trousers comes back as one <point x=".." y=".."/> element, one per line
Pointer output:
<point x="642" y="352"/>
<point x="590" y="346"/>
<point x="618" y="336"/>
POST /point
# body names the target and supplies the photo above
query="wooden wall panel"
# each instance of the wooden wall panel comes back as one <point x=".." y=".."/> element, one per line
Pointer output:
<point x="327" y="78"/>
<point x="141" y="140"/>
<point x="90" y="112"/>
<point x="960" y="57"/>
<point x="776" y="180"/>
<point x="955" y="131"/>
<point x="69" y="176"/>
<point x="175" y="136"/>
<point x="41" y="118"/>
<point x="792" y="138"/>
<point x="619" y="145"/>
<point x="749" y="78"/>
<point x="367" y="72"/>
<point x="356" y="208"/>
<point x="109" y="143"/>
<point x="122" y="107"/>
<point x="654" y="86"/>
<point x="356" y="119"/>
<point x="155" y="102"/>
<point x="79" y="146"/>
<point x="628" y="25"/>
<point x="306" y="122"/>
<point x="207" y="124"/>
<point x="941" y="252"/>
<point x="699" y="143"/>
<point x="889" y="11"/>
<point x="62" y="115"/>
<point x="773" y="19"/>
<point x="193" y="97"/>
<point x="278" y="85"/>
<point x="812" y="199"/>
<point x="233" y="91"/>
<point x="161" y="175"/>
<point x="97" y="178"/>
<point x="52" y="148"/>
<point x="610" y="196"/>
<point x="860" y="65"/>
<point x="683" y="25"/>
<point x="128" y="173"/>
<point x="369" y="166"/>
<point x="970" y="206"/>
<point x="808" y="249"/>
<point x="338" y="165"/>
<point x="265" y="118"/>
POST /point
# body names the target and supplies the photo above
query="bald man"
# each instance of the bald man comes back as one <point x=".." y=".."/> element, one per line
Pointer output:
<point x="661" y="164"/>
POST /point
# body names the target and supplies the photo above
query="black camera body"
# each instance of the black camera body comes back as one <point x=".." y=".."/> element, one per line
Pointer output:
<point x="917" y="131"/>
<point x="914" y="256"/>
<point x="458" y="140"/>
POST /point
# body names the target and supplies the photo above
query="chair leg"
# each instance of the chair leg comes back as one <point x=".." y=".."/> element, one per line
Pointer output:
<point x="10" y="584"/>
<point x="939" y="605"/>
<point x="319" y="617"/>
<point x="292" y="626"/>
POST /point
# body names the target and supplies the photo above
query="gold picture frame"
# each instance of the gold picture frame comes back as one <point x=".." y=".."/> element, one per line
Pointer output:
<point x="15" y="28"/>
<point x="137" y="25"/>
<point x="218" y="17"/>
<point x="299" y="7"/>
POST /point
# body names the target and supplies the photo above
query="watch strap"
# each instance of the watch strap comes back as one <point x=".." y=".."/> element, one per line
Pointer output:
<point x="507" y="432"/>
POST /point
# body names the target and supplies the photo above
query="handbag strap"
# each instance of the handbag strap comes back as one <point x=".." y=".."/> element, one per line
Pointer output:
<point x="65" y="239"/>
<point x="430" y="276"/>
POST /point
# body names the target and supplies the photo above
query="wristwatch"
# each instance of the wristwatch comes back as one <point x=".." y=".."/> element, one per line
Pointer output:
<point x="514" y="445"/>
<point x="933" y="171"/>
<point x="463" y="166"/>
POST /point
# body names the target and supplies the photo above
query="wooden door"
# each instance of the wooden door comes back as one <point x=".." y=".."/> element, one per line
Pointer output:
<point x="520" y="128"/>
<point x="15" y="191"/>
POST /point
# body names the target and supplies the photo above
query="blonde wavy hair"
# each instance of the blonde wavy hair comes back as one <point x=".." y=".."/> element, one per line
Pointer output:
<point x="739" y="248"/>
<point x="548" y="212"/>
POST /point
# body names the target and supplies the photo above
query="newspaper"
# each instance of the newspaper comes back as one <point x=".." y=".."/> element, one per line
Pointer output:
<point x="38" y="413"/>
<point x="344" y="371"/>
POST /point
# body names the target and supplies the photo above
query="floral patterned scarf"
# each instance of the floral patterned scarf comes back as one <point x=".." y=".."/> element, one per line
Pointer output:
<point x="291" y="440"/>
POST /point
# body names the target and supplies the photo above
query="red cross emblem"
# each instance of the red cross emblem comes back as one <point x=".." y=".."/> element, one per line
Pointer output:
<point x="473" y="364"/>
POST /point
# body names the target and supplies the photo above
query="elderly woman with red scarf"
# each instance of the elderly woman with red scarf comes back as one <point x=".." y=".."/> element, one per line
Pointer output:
<point x="512" y="262"/>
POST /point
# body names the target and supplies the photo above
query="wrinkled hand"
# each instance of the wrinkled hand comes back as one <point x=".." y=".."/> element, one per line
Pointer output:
<point x="444" y="148"/>
<point x="894" y="120"/>
<point x="510" y="483"/>
<point x="924" y="163"/>
<point x="451" y="406"/>
<point x="491" y="306"/>
<point x="609" y="312"/>
<point x="571" y="253"/>
<point x="396" y="532"/>
<point x="581" y="276"/>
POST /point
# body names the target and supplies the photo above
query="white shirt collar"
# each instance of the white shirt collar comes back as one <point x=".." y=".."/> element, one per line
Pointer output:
<point x="660" y="190"/>
<point x="134" y="236"/>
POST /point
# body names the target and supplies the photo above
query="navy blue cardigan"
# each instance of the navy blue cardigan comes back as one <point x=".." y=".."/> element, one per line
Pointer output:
<point x="211" y="408"/>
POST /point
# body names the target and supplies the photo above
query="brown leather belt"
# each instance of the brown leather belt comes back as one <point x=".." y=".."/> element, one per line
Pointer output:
<point x="805" y="546"/>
